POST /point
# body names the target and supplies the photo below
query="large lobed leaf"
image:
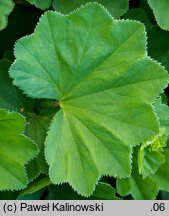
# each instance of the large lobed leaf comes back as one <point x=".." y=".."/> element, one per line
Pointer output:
<point x="15" y="151"/>
<point x="97" y="68"/>
<point x="6" y="7"/>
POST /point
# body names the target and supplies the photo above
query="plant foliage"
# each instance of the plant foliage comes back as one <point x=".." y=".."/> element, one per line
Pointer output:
<point x="73" y="67"/>
<point x="116" y="8"/>
<point x="6" y="6"/>
<point x="83" y="112"/>
<point x="12" y="172"/>
<point x="41" y="3"/>
<point x="161" y="12"/>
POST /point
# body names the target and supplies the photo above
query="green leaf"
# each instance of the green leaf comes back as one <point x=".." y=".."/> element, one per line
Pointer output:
<point x="6" y="7"/>
<point x="36" y="129"/>
<point x="32" y="196"/>
<point x="19" y="16"/>
<point x="11" y="97"/>
<point x="123" y="186"/>
<point x="16" y="150"/>
<point x="161" y="12"/>
<point x="161" y="177"/>
<point x="105" y="88"/>
<point x="116" y="8"/>
<point x="159" y="51"/>
<point x="8" y="95"/>
<point x="162" y="111"/>
<point x="151" y="167"/>
<point x="145" y="6"/>
<point x="139" y="187"/>
<point x="42" y="4"/>
<point x="35" y="189"/>
<point x="140" y="15"/>
<point x="150" y="154"/>
<point x="103" y="191"/>
<point x="37" y="125"/>
<point x="150" y="157"/>
<point x="163" y="115"/>
<point x="150" y="162"/>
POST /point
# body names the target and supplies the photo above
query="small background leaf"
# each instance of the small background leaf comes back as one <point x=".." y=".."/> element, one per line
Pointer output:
<point x="6" y="7"/>
<point x="36" y="129"/>
<point x="42" y="4"/>
<point x="150" y="162"/>
<point x="140" y="15"/>
<point x="103" y="191"/>
<point x="63" y="192"/>
<point x="34" y="190"/>
<point x="145" y="6"/>
<point x="158" y="46"/>
<point x="115" y="7"/>
<point x="12" y="171"/>
<point x="161" y="12"/>
<point x="153" y="174"/>
<point x="161" y="177"/>
<point x="8" y="95"/>
<point x="139" y="188"/>
<point x="37" y="125"/>
<point x="24" y="19"/>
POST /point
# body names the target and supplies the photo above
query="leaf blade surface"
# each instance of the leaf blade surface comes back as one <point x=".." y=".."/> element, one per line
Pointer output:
<point x="105" y="89"/>
<point x="15" y="151"/>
